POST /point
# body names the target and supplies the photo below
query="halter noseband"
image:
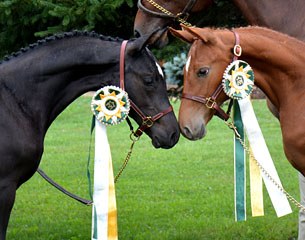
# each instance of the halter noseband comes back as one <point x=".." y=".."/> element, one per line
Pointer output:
<point x="147" y="121"/>
<point x="184" y="14"/>
<point x="210" y="102"/>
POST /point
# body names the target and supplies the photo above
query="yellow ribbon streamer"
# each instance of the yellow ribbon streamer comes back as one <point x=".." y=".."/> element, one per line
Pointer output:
<point x="256" y="188"/>
<point x="112" y="209"/>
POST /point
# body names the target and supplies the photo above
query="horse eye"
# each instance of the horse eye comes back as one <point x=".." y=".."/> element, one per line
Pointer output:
<point x="203" y="72"/>
<point x="148" y="80"/>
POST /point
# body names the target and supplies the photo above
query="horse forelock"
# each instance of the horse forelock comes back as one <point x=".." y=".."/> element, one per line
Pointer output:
<point x="59" y="36"/>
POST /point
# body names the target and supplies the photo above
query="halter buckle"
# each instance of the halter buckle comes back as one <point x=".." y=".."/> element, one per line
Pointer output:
<point x="237" y="50"/>
<point x="210" y="103"/>
<point x="148" y="121"/>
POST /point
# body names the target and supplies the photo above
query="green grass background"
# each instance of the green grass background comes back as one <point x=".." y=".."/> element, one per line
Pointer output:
<point x="185" y="193"/>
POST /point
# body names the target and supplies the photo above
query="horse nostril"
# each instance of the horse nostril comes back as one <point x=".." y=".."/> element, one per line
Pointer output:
<point x="187" y="132"/>
<point x="194" y="134"/>
<point x="136" y="33"/>
<point x="174" y="138"/>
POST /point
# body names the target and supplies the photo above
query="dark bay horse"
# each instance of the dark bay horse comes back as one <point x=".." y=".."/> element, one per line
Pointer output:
<point x="281" y="15"/>
<point x="40" y="81"/>
<point x="278" y="64"/>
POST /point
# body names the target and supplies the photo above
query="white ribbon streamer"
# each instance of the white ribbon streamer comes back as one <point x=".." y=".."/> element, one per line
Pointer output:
<point x="262" y="155"/>
<point x="102" y="160"/>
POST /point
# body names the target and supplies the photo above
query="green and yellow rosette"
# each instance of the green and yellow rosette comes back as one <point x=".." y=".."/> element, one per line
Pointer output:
<point x="110" y="105"/>
<point x="238" y="80"/>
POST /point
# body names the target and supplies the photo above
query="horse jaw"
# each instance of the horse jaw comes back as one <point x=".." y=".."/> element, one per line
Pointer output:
<point x="149" y="25"/>
<point x="159" y="39"/>
<point x="162" y="39"/>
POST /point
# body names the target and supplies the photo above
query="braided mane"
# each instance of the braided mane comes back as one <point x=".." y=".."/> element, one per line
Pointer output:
<point x="59" y="36"/>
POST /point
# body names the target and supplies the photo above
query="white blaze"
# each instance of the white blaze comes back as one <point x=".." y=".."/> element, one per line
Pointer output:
<point x="160" y="69"/>
<point x="187" y="65"/>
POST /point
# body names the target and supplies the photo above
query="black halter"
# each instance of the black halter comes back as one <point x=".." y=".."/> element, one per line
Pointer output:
<point x="184" y="14"/>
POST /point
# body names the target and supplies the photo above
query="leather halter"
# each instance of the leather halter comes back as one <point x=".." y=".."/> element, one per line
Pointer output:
<point x="184" y="14"/>
<point x="210" y="102"/>
<point x="147" y="121"/>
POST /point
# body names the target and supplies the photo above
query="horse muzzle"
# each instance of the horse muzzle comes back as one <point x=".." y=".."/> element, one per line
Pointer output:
<point x="193" y="132"/>
<point x="164" y="135"/>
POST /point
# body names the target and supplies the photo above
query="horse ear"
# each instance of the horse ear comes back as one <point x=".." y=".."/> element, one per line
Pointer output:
<point x="200" y="33"/>
<point x="183" y="35"/>
<point x="138" y="44"/>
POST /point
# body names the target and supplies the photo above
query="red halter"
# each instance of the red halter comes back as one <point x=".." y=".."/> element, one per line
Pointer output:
<point x="210" y="102"/>
<point x="147" y="121"/>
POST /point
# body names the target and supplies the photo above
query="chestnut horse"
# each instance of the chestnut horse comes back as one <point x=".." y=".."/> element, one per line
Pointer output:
<point x="281" y="15"/>
<point x="278" y="64"/>
<point x="40" y="81"/>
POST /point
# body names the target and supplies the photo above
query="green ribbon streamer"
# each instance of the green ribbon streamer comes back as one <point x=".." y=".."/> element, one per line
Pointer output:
<point x="89" y="157"/>
<point x="95" y="233"/>
<point x="239" y="166"/>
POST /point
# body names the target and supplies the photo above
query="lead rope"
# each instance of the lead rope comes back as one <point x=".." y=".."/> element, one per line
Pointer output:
<point x="291" y="198"/>
<point x="134" y="140"/>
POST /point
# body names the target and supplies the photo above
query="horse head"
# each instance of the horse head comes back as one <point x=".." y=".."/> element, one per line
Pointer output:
<point x="202" y="77"/>
<point x="146" y="88"/>
<point x="163" y="13"/>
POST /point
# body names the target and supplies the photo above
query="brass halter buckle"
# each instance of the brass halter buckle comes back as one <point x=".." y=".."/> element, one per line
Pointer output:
<point x="237" y="50"/>
<point x="148" y="121"/>
<point x="210" y="103"/>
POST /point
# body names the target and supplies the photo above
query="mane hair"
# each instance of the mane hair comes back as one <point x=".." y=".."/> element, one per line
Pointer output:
<point x="270" y="33"/>
<point x="267" y="32"/>
<point x="59" y="36"/>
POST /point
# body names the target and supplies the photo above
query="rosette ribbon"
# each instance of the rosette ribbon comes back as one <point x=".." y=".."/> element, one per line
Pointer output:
<point x="110" y="106"/>
<point x="238" y="81"/>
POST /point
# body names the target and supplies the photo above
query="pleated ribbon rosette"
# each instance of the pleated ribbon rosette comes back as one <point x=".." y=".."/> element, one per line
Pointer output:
<point x="110" y="105"/>
<point x="238" y="81"/>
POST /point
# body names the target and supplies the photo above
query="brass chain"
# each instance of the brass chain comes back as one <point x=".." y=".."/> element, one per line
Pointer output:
<point x="292" y="199"/>
<point x="134" y="140"/>
<point x="162" y="9"/>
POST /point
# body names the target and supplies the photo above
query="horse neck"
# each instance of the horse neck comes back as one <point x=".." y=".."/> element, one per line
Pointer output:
<point x="277" y="61"/>
<point x="201" y="5"/>
<point x="270" y="14"/>
<point x="46" y="79"/>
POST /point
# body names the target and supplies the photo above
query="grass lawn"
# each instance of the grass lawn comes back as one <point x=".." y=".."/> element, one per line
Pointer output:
<point x="185" y="193"/>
